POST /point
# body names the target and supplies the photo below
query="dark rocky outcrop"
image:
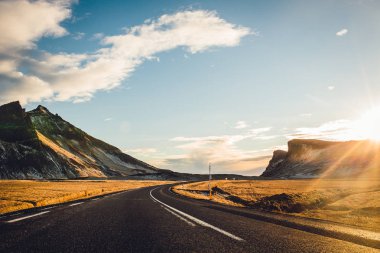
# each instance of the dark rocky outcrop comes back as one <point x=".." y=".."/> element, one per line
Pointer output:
<point x="316" y="158"/>
<point x="39" y="144"/>
<point x="16" y="126"/>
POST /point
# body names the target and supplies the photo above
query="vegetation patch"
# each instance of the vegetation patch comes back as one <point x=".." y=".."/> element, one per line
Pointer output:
<point x="23" y="194"/>
<point x="354" y="202"/>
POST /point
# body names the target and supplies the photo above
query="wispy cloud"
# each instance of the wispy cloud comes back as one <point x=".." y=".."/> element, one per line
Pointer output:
<point x="75" y="19"/>
<point x="338" y="130"/>
<point x="97" y="36"/>
<point x="306" y="115"/>
<point x="241" y="125"/>
<point x="78" y="36"/>
<point x="331" y="87"/>
<point x="342" y="32"/>
<point x="222" y="151"/>
<point x="140" y="151"/>
<point x="107" y="119"/>
<point x="76" y="77"/>
<point x="255" y="132"/>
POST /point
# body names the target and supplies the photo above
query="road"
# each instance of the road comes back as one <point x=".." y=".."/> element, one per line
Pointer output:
<point x="154" y="219"/>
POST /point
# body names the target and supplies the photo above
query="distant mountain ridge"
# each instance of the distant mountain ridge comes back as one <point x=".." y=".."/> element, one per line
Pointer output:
<point x="317" y="158"/>
<point x="39" y="144"/>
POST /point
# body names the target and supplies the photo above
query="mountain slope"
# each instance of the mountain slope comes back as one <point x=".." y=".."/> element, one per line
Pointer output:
<point x="91" y="151"/>
<point x="21" y="153"/>
<point x="39" y="144"/>
<point x="316" y="158"/>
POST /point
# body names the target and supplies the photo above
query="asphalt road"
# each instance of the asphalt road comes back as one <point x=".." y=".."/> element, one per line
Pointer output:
<point x="154" y="220"/>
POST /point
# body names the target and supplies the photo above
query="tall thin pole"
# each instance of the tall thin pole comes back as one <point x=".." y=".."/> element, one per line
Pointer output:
<point x="209" y="180"/>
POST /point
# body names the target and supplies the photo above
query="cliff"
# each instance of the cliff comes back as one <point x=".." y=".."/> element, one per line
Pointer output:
<point x="316" y="158"/>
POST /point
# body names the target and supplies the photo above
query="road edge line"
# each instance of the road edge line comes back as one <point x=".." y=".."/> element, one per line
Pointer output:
<point x="26" y="217"/>
<point x="196" y="220"/>
<point x="179" y="216"/>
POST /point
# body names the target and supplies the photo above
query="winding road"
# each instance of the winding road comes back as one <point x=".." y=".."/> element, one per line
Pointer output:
<point x="154" y="219"/>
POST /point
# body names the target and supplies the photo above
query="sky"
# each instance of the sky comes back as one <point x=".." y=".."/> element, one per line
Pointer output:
<point x="180" y="84"/>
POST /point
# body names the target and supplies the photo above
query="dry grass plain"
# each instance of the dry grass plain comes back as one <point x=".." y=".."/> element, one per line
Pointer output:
<point x="353" y="202"/>
<point x="23" y="194"/>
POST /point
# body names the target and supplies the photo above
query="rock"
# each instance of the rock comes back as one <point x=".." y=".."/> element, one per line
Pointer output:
<point x="16" y="126"/>
<point x="39" y="144"/>
<point x="316" y="158"/>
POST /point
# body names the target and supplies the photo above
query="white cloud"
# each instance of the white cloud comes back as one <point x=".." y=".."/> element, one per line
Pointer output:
<point x="77" y="77"/>
<point x="342" y="32"/>
<point x="23" y="22"/>
<point x="78" y="36"/>
<point x="208" y="141"/>
<point x="339" y="130"/>
<point x="241" y="125"/>
<point x="140" y="151"/>
<point x="14" y="82"/>
<point x="258" y="131"/>
<point x="107" y="119"/>
<point x="331" y="87"/>
<point x="306" y="115"/>
<point x="222" y="151"/>
<point x="76" y="19"/>
<point x="266" y="137"/>
<point x="97" y="36"/>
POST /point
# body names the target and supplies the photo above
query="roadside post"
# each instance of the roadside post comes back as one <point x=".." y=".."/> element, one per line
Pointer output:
<point x="209" y="181"/>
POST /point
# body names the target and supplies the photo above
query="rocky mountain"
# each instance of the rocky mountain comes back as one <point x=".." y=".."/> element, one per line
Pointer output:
<point x="316" y="158"/>
<point x="39" y="144"/>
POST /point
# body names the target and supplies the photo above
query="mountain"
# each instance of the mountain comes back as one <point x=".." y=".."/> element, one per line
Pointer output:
<point x="39" y="144"/>
<point x="316" y="158"/>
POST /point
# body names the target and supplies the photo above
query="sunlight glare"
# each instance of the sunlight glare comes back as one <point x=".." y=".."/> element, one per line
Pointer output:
<point x="368" y="126"/>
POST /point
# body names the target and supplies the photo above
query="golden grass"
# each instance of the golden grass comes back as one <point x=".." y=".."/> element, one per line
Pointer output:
<point x="22" y="194"/>
<point x="197" y="195"/>
<point x="354" y="202"/>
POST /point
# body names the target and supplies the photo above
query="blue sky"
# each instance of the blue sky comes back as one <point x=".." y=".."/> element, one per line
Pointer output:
<point x="194" y="82"/>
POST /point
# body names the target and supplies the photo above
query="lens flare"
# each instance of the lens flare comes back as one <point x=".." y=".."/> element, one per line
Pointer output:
<point x="368" y="126"/>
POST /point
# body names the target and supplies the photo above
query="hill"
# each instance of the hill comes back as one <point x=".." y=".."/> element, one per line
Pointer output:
<point x="316" y="158"/>
<point x="39" y="144"/>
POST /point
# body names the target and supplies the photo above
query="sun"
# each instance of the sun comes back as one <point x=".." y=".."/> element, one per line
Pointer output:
<point x="368" y="126"/>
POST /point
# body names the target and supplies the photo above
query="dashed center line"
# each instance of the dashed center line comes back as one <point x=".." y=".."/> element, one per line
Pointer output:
<point x="27" y="217"/>
<point x="75" y="204"/>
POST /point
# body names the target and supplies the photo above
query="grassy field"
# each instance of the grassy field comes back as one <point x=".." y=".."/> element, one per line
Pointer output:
<point x="354" y="202"/>
<point x="22" y="194"/>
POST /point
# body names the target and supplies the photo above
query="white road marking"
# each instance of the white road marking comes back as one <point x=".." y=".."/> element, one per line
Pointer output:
<point x="95" y="199"/>
<point x="47" y="208"/>
<point x="27" y="217"/>
<point x="75" y="204"/>
<point x="196" y="220"/>
<point x="180" y="217"/>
